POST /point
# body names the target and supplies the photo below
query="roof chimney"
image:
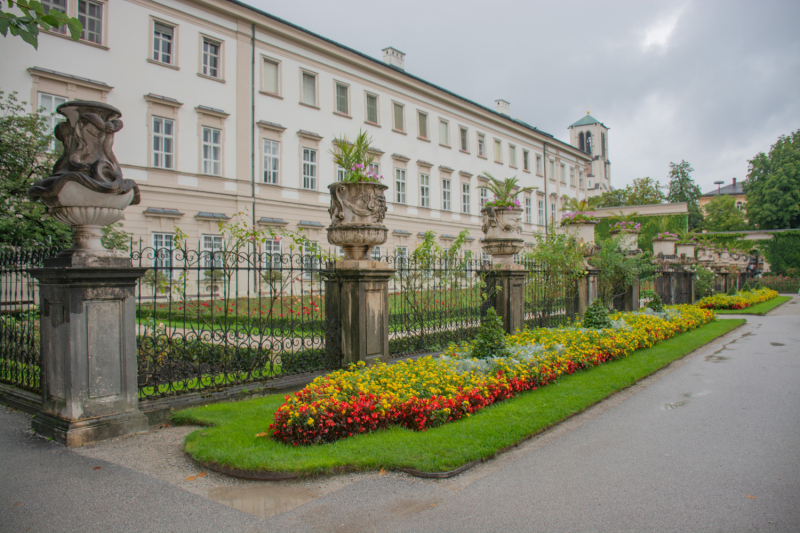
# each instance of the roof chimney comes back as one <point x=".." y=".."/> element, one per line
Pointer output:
<point x="734" y="181"/>
<point x="501" y="106"/>
<point x="394" y="57"/>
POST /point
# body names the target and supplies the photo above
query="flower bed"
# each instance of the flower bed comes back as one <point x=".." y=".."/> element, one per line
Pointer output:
<point x="579" y="217"/>
<point x="780" y="283"/>
<point x="741" y="300"/>
<point x="429" y="392"/>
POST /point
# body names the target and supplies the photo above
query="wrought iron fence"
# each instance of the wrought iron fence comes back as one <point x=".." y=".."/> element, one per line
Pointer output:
<point x="434" y="302"/>
<point x="550" y="296"/>
<point x="20" y="342"/>
<point x="214" y="318"/>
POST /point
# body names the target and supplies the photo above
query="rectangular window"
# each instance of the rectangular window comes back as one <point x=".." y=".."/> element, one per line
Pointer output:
<point x="512" y="156"/>
<point x="580" y="179"/>
<point x="498" y="151"/>
<point x="465" y="198"/>
<point x="481" y="145"/>
<point x="444" y="132"/>
<point x="311" y="259"/>
<point x="375" y="253"/>
<point x="163" y="142"/>
<point x="553" y="211"/>
<point x="342" y="99"/>
<point x="212" y="258"/>
<point x="401" y="258"/>
<point x="271" y="73"/>
<point x="212" y="151"/>
<point x="542" y="221"/>
<point x="340" y="173"/>
<point x="211" y="58"/>
<point x="572" y="176"/>
<point x="528" y="211"/>
<point x="163" y="247"/>
<point x="526" y="156"/>
<point x="464" y="139"/>
<point x="375" y="168"/>
<point x="424" y="190"/>
<point x="58" y="5"/>
<point x="399" y="120"/>
<point x="309" y="169"/>
<point x="272" y="161"/>
<point x="538" y="164"/>
<point x="551" y="174"/>
<point x="422" y="119"/>
<point x="48" y="103"/>
<point x="309" y="89"/>
<point x="486" y="259"/>
<point x="372" y="108"/>
<point x="563" y="173"/>
<point x="272" y="254"/>
<point x="90" y="15"/>
<point x="163" y="36"/>
<point x="400" y="185"/>
<point x="484" y="197"/>
<point x="446" y="195"/>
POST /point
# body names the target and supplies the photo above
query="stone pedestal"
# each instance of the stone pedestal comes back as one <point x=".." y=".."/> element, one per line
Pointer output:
<point x="507" y="286"/>
<point x="88" y="331"/>
<point x="630" y="301"/>
<point x="358" y="293"/>
<point x="587" y="290"/>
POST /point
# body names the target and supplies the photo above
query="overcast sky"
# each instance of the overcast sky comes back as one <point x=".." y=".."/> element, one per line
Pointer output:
<point x="713" y="83"/>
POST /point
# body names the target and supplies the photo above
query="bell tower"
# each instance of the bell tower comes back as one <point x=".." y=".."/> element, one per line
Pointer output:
<point x="589" y="135"/>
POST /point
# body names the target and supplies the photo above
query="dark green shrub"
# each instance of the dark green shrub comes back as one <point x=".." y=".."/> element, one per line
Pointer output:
<point x="491" y="339"/>
<point x="596" y="316"/>
<point x="732" y="290"/>
<point x="655" y="303"/>
<point x="746" y="286"/>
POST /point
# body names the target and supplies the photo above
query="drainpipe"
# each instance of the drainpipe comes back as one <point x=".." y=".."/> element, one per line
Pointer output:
<point x="253" y="120"/>
<point x="546" y="198"/>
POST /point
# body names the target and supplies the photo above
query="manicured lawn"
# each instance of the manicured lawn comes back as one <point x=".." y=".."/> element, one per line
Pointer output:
<point x="232" y="442"/>
<point x="758" y="309"/>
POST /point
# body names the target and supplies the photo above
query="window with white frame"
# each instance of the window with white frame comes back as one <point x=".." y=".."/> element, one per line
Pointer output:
<point x="163" y="39"/>
<point x="553" y="209"/>
<point x="401" y="257"/>
<point x="58" y="5"/>
<point x="465" y="198"/>
<point x="400" y="185"/>
<point x="542" y="220"/>
<point x="424" y="190"/>
<point x="309" y="89"/>
<point x="211" y="58"/>
<point x="444" y="132"/>
<point x="484" y="197"/>
<point x="272" y="161"/>
<point x="552" y="170"/>
<point x="538" y="164"/>
<point x="464" y="138"/>
<point x="528" y="211"/>
<point x="485" y="258"/>
<point x="272" y="254"/>
<point x="342" y="99"/>
<point x="212" y="256"/>
<point x="212" y="151"/>
<point x="563" y="173"/>
<point x="163" y="142"/>
<point x="399" y="120"/>
<point x="163" y="245"/>
<point x="372" y="108"/>
<point x="48" y="103"/>
<point x="270" y="71"/>
<point x="572" y="176"/>
<point x="340" y="173"/>
<point x="512" y="155"/>
<point x="526" y="157"/>
<point x="375" y="253"/>
<point x="422" y="124"/>
<point x="375" y="168"/>
<point x="311" y="261"/>
<point x="481" y="145"/>
<point x="90" y="15"/>
<point x="309" y="169"/>
<point x="580" y="178"/>
<point x="446" y="194"/>
<point x="498" y="151"/>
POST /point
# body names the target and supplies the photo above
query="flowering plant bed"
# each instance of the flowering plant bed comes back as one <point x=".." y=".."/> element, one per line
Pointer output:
<point x="624" y="225"/>
<point x="579" y="217"/>
<point x="741" y="300"/>
<point x="428" y="393"/>
<point x="780" y="283"/>
<point x="665" y="236"/>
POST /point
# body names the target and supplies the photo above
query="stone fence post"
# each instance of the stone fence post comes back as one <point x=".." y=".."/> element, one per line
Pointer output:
<point x="506" y="287"/>
<point x="587" y="290"/>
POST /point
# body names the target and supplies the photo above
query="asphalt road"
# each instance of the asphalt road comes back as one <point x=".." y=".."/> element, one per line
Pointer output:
<point x="711" y="444"/>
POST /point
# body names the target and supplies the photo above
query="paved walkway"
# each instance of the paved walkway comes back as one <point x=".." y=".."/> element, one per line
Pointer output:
<point x="711" y="444"/>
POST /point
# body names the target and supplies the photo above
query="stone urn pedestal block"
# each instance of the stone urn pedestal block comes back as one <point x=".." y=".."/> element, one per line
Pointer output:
<point x="505" y="286"/>
<point x="88" y="332"/>
<point x="587" y="290"/>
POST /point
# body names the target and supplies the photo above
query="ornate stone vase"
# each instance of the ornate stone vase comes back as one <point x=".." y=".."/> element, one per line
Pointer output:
<point x="686" y="250"/>
<point x="87" y="190"/>
<point x="705" y="255"/>
<point x="584" y="236"/>
<point x="725" y="257"/>
<point x="357" y="211"/>
<point x="664" y="247"/>
<point x="630" y="239"/>
<point x="502" y="229"/>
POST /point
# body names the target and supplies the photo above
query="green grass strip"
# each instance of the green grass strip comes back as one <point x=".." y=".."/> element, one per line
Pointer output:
<point x="231" y="441"/>
<point x="758" y="309"/>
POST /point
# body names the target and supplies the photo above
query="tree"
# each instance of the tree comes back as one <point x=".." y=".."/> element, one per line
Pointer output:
<point x="642" y="191"/>
<point x="723" y="215"/>
<point x="682" y="188"/>
<point x="773" y="186"/>
<point x="25" y="157"/>
<point x="35" y="16"/>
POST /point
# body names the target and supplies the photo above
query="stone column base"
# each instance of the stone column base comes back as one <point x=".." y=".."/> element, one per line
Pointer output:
<point x="75" y="433"/>
<point x="509" y="298"/>
<point x="587" y="290"/>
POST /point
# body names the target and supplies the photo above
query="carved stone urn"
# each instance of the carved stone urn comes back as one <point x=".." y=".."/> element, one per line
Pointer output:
<point x="664" y="247"/>
<point x="87" y="190"/>
<point x="502" y="229"/>
<point x="629" y="240"/>
<point x="357" y="211"/>
<point x="583" y="233"/>
<point x="685" y="251"/>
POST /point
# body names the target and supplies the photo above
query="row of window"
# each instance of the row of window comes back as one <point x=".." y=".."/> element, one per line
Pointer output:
<point x="89" y="13"/>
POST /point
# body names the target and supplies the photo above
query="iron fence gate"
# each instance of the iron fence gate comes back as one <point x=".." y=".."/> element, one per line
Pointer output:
<point x="550" y="296"/>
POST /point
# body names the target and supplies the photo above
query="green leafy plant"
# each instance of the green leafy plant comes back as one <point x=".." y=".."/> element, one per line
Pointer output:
<point x="619" y="271"/>
<point x="655" y="303"/>
<point x="686" y="236"/>
<point x="355" y="157"/>
<point x="732" y="290"/>
<point x="596" y="316"/>
<point x="35" y="17"/>
<point x="704" y="281"/>
<point x="746" y="287"/>
<point x="491" y="339"/>
<point x="503" y="191"/>
<point x="157" y="280"/>
<point x="115" y="239"/>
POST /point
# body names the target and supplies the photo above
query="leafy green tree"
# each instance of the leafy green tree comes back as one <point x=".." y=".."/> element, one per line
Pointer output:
<point x="682" y="188"/>
<point x="25" y="157"/>
<point x="116" y="239"/>
<point x="34" y="17"/>
<point x="723" y="215"/>
<point x="642" y="191"/>
<point x="619" y="271"/>
<point x="773" y="186"/>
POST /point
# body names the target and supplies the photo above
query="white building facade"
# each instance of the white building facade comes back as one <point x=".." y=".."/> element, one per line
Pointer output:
<point x="227" y="110"/>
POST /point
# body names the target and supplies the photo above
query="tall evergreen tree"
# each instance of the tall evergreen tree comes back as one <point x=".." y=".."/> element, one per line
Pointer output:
<point x="682" y="188"/>
<point x="773" y="185"/>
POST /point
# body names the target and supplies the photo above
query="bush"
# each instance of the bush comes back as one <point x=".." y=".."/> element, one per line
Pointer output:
<point x="746" y="287"/>
<point x="779" y="283"/>
<point x="491" y="340"/>
<point x="742" y="300"/>
<point x="704" y="282"/>
<point x="655" y="303"/>
<point x="732" y="290"/>
<point x="596" y="316"/>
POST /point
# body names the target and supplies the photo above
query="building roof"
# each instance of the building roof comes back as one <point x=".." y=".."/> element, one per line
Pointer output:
<point x="734" y="189"/>
<point x="403" y="72"/>
<point x="587" y="120"/>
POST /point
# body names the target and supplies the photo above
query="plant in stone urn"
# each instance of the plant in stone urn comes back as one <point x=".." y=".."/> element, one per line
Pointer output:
<point x="627" y="226"/>
<point x="580" y="225"/>
<point x="664" y="241"/>
<point x="686" y="244"/>
<point x="502" y="219"/>
<point x="358" y="204"/>
<point x="87" y="190"/>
